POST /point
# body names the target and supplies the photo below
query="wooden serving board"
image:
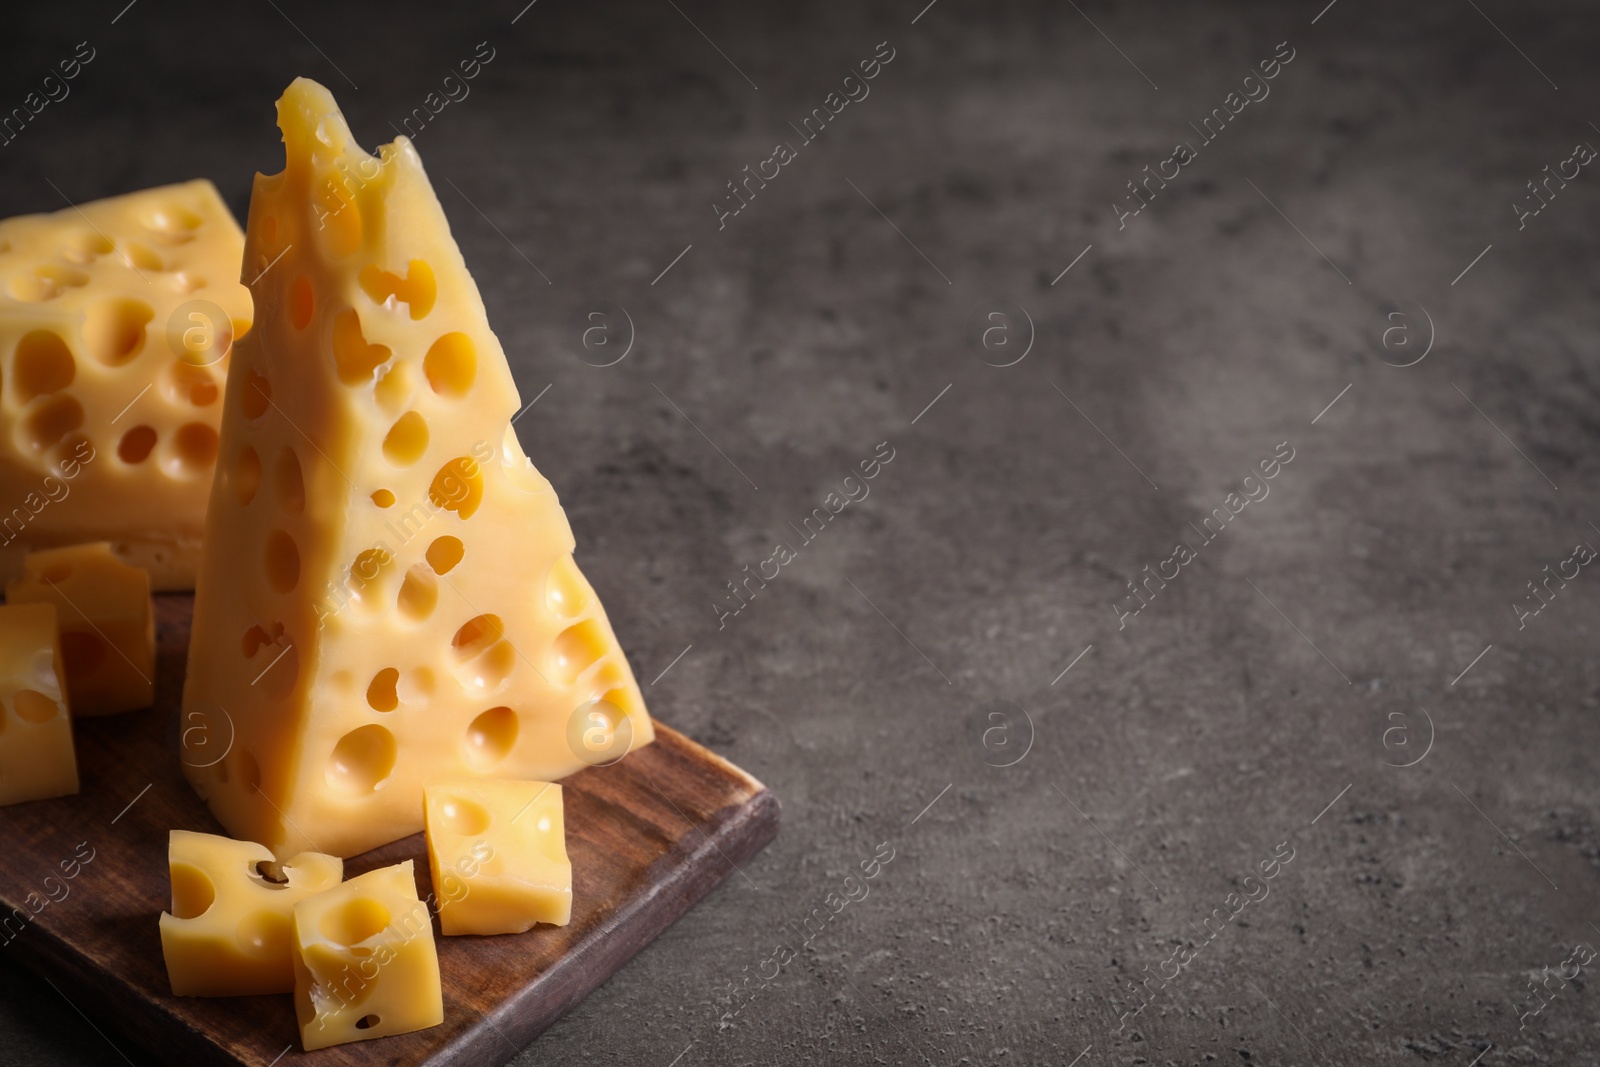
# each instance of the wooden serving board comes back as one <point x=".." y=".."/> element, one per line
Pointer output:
<point x="648" y="837"/>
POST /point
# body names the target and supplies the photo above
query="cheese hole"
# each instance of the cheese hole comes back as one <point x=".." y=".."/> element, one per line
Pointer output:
<point x="383" y="498"/>
<point x="381" y="692"/>
<point x="566" y="591"/>
<point x="445" y="553"/>
<point x="291" y="483"/>
<point x="86" y="247"/>
<point x="45" y="283"/>
<point x="406" y="440"/>
<point x="491" y="737"/>
<point x="249" y="772"/>
<point x="194" y="449"/>
<point x="354" y="357"/>
<point x="419" y="593"/>
<point x="458" y="487"/>
<point x="172" y="224"/>
<point x="255" y="639"/>
<point x="141" y="257"/>
<point x="416" y="290"/>
<point x="282" y="560"/>
<point x="43" y="365"/>
<point x="354" y="922"/>
<point x="255" y="396"/>
<point x="484" y="659"/>
<point x="34" y="706"/>
<point x="52" y="420"/>
<point x="271" y="872"/>
<point x="302" y="302"/>
<point x="246" y="476"/>
<point x="477" y="635"/>
<point x="451" y="364"/>
<point x="361" y="761"/>
<point x="577" y="648"/>
<point x="264" y="934"/>
<point x="113" y="330"/>
<point x="367" y="1022"/>
<point x="626" y="701"/>
<point x="82" y="652"/>
<point x="462" y="817"/>
<point x="136" y="444"/>
<point x="186" y="383"/>
<point x="192" y="892"/>
<point x="369" y="575"/>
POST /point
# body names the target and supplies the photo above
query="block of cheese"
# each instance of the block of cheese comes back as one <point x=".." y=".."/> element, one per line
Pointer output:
<point x="231" y="929"/>
<point x="365" y="964"/>
<point x="108" y="627"/>
<point x="387" y="595"/>
<point x="37" y="759"/>
<point x="116" y="318"/>
<point x="498" y="851"/>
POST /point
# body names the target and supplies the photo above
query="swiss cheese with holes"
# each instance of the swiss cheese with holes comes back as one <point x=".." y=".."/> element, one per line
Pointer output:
<point x="116" y="318"/>
<point x="108" y="624"/>
<point x="230" y="932"/>
<point x="387" y="595"/>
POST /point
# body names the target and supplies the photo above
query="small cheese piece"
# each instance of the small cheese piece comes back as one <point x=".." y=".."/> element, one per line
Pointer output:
<point x="108" y="628"/>
<point x="36" y="755"/>
<point x="365" y="964"/>
<point x="231" y="930"/>
<point x="387" y="596"/>
<point x="116" y="318"/>
<point x="498" y="850"/>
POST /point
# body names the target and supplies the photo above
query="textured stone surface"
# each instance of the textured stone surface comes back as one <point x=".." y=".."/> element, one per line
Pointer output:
<point x="859" y="684"/>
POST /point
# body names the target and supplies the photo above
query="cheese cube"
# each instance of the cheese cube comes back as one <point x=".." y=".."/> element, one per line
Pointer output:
<point x="364" y="963"/>
<point x="498" y="851"/>
<point x="387" y="595"/>
<point x="36" y="755"/>
<point x="231" y="929"/>
<point x="115" y="320"/>
<point x="108" y="627"/>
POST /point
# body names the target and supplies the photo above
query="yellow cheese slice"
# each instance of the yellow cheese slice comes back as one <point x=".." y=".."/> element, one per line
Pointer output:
<point x="108" y="628"/>
<point x="365" y="964"/>
<point x="387" y="595"/>
<point x="37" y="759"/>
<point x="231" y="929"/>
<point x="498" y="851"/>
<point x="116" y="318"/>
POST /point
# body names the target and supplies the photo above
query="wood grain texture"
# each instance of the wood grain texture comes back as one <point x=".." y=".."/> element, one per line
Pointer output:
<point x="648" y="838"/>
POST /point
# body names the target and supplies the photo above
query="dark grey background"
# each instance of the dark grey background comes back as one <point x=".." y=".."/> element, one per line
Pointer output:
<point x="1181" y="750"/>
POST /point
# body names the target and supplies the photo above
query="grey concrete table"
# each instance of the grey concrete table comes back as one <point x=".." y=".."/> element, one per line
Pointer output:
<point x="1072" y="778"/>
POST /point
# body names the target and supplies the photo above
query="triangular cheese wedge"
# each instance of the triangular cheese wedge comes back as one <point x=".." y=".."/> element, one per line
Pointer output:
<point x="116" y="318"/>
<point x="387" y="595"/>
